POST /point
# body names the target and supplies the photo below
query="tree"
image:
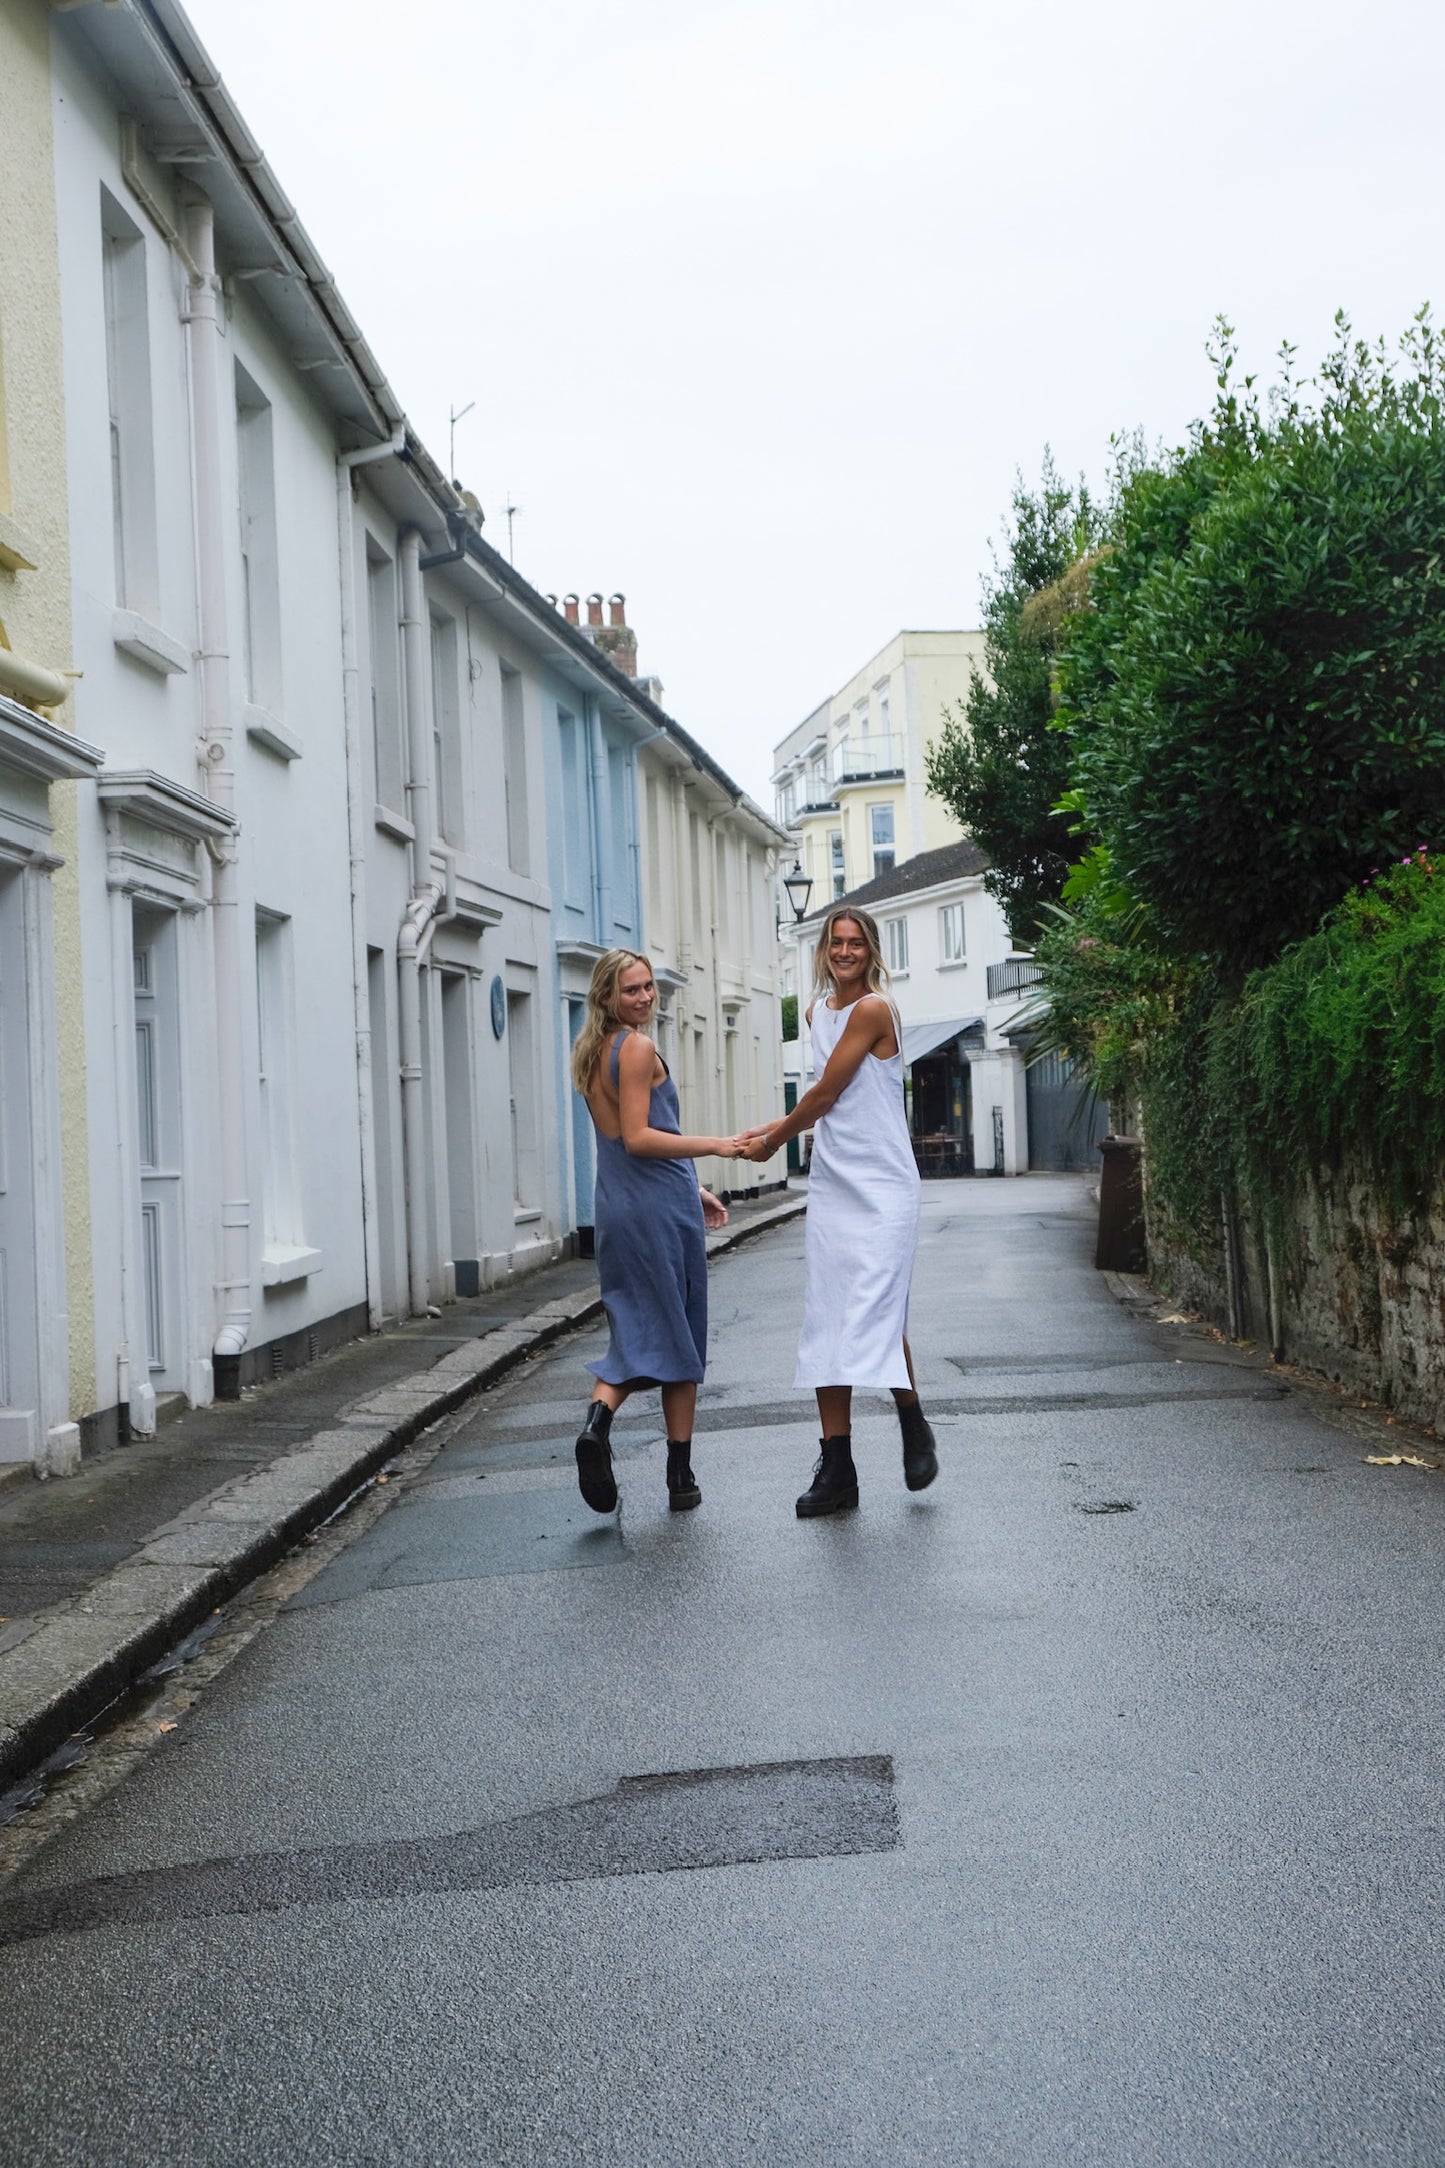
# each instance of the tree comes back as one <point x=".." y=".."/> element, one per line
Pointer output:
<point x="1255" y="698"/>
<point x="999" y="764"/>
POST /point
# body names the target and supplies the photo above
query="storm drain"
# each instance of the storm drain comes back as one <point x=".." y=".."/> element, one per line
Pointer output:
<point x="1104" y="1505"/>
<point x="648" y="1825"/>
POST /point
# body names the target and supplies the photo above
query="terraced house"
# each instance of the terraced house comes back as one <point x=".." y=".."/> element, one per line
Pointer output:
<point x="300" y="900"/>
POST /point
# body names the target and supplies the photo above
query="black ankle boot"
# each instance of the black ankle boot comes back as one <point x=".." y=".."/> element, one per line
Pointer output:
<point x="920" y="1453"/>
<point x="682" y="1491"/>
<point x="594" y="1460"/>
<point x="835" y="1480"/>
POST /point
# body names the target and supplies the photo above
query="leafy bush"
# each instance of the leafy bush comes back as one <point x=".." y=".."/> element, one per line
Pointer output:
<point x="1256" y="695"/>
<point x="1336" y="1053"/>
<point x="1108" y="998"/>
<point x="998" y="764"/>
<point x="789" y="1006"/>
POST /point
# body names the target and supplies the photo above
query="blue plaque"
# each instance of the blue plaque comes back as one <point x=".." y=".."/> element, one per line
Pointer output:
<point x="499" y="1008"/>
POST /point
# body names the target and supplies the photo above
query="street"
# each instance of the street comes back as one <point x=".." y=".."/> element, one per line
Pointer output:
<point x="1083" y="1809"/>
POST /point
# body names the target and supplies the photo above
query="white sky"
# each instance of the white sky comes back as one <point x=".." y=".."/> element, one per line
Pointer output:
<point x="762" y="305"/>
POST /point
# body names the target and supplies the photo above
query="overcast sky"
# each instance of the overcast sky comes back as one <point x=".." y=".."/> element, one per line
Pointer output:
<point x="762" y="305"/>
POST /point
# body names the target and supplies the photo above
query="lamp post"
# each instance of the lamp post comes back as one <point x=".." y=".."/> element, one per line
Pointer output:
<point x="799" y="886"/>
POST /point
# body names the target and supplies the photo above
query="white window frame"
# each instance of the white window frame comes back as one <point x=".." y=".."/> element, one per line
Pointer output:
<point x="952" y="934"/>
<point x="884" y="849"/>
<point x="384" y="626"/>
<point x="837" y="864"/>
<point x="260" y="566"/>
<point x="896" y="931"/>
<point x="514" y="770"/>
<point x="132" y="426"/>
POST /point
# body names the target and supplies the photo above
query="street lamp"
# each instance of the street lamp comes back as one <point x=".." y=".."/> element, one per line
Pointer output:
<point x="799" y="886"/>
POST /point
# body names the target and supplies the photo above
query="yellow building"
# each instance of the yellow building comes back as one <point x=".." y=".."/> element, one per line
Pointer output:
<point x="849" y="781"/>
<point x="46" y="1328"/>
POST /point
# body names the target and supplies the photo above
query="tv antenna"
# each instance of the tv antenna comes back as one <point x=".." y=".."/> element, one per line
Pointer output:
<point x="458" y="414"/>
<point x="512" y="511"/>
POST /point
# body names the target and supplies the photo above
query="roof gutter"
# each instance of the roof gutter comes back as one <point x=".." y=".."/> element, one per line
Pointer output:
<point x="186" y="60"/>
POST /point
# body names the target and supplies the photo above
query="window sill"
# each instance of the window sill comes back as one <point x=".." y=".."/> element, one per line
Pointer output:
<point x="283" y="1262"/>
<point x="394" y="824"/>
<point x="897" y="974"/>
<point x="146" y="643"/>
<point x="523" y="1216"/>
<point x="267" y="730"/>
<point x="954" y="963"/>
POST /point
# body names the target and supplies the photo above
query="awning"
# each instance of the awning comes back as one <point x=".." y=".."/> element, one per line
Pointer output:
<point x="921" y="1039"/>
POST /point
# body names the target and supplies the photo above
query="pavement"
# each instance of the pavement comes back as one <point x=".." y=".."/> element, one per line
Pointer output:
<point x="1084" y="1808"/>
<point x="103" y="1573"/>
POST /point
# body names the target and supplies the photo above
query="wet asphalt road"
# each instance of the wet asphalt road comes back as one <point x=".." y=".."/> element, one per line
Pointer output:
<point x="989" y="1828"/>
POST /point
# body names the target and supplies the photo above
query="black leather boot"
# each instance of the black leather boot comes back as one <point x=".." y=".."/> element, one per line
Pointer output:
<point x="594" y="1460"/>
<point x="920" y="1453"/>
<point x="835" y="1480"/>
<point x="682" y="1491"/>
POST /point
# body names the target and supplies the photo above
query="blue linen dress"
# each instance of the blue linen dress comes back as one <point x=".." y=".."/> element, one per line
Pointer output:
<point x="651" y="1255"/>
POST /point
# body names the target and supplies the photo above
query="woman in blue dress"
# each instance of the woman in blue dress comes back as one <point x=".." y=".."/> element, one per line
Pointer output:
<point x="649" y="1213"/>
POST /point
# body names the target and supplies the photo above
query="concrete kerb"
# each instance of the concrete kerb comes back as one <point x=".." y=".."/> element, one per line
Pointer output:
<point x="79" y="1656"/>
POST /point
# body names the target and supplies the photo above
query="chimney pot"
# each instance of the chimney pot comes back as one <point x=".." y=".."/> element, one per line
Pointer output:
<point x="571" y="609"/>
<point x="617" y="610"/>
<point x="594" y="609"/>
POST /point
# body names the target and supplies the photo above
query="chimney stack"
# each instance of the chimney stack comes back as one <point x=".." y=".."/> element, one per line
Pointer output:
<point x="570" y="609"/>
<point x="617" y="639"/>
<point x="594" y="609"/>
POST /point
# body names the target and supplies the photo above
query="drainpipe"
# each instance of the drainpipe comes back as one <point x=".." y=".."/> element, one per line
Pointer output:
<point x="357" y="829"/>
<point x="419" y="920"/>
<point x="133" y="1389"/>
<point x="203" y="332"/>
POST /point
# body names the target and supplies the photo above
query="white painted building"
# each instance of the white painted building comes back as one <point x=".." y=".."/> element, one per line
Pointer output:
<point x="208" y="387"/>
<point x="350" y="810"/>
<point x="945" y="942"/>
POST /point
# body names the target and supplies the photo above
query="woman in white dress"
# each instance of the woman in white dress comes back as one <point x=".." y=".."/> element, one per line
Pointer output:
<point x="863" y="1198"/>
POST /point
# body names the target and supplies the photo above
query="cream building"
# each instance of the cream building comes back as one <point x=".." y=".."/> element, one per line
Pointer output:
<point x="709" y="859"/>
<point x="849" y="782"/>
<point x="47" y="1349"/>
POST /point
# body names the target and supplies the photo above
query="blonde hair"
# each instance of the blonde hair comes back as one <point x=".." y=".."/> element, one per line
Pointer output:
<point x="601" y="1019"/>
<point x="876" y="979"/>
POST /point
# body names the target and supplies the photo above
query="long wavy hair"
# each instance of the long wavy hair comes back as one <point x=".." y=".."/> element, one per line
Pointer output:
<point x="602" y="1018"/>
<point x="876" y="979"/>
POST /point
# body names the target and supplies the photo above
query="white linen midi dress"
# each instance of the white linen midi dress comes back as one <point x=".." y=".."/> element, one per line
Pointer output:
<point x="862" y="1225"/>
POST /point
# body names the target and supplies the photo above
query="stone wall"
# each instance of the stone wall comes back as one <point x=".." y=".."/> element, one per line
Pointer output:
<point x="1361" y="1292"/>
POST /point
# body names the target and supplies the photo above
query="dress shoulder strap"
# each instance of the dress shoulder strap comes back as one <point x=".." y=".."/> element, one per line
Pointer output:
<point x="615" y="1057"/>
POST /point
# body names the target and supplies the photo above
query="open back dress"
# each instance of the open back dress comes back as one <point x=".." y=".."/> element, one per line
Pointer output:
<point x="862" y="1225"/>
<point x="651" y="1254"/>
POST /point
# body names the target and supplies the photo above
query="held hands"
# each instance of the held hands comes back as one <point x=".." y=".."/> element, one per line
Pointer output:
<point x="714" y="1211"/>
<point x="751" y="1144"/>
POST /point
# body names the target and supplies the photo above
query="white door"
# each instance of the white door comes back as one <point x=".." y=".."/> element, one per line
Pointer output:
<point x="19" y="1318"/>
<point x="158" y="1140"/>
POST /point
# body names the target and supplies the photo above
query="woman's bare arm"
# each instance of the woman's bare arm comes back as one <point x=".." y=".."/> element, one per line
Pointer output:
<point x="869" y="1030"/>
<point x="634" y="1105"/>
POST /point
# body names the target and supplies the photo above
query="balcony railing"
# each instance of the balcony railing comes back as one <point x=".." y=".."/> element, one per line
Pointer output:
<point x="855" y="758"/>
<point x="1012" y="976"/>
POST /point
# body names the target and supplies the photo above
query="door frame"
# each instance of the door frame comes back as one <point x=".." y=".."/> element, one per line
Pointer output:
<point x="158" y="842"/>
